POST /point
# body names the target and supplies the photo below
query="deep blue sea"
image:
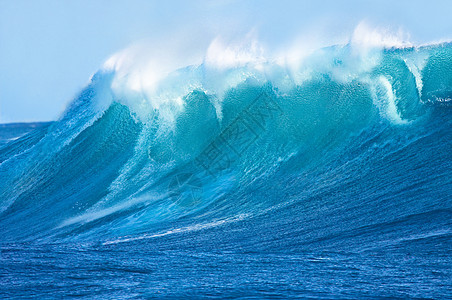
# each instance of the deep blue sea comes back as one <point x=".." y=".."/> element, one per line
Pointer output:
<point x="252" y="182"/>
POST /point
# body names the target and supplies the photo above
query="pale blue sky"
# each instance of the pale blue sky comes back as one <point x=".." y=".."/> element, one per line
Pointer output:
<point x="50" y="48"/>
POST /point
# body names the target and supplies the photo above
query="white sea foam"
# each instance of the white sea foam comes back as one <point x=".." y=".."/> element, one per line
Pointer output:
<point x="150" y="77"/>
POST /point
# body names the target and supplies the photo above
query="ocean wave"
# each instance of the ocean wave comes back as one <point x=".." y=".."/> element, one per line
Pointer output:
<point x="144" y="148"/>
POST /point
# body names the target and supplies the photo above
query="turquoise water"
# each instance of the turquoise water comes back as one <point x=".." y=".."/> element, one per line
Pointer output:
<point x="331" y="184"/>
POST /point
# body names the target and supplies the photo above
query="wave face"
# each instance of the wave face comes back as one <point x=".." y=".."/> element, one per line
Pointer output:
<point x="348" y="152"/>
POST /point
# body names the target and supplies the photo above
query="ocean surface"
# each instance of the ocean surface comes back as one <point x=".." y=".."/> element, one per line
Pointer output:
<point x="328" y="180"/>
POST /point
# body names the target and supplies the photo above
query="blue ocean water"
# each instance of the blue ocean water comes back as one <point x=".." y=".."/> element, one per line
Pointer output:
<point x="333" y="181"/>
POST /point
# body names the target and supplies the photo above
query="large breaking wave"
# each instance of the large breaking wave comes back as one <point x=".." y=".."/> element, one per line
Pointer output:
<point x="350" y="139"/>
